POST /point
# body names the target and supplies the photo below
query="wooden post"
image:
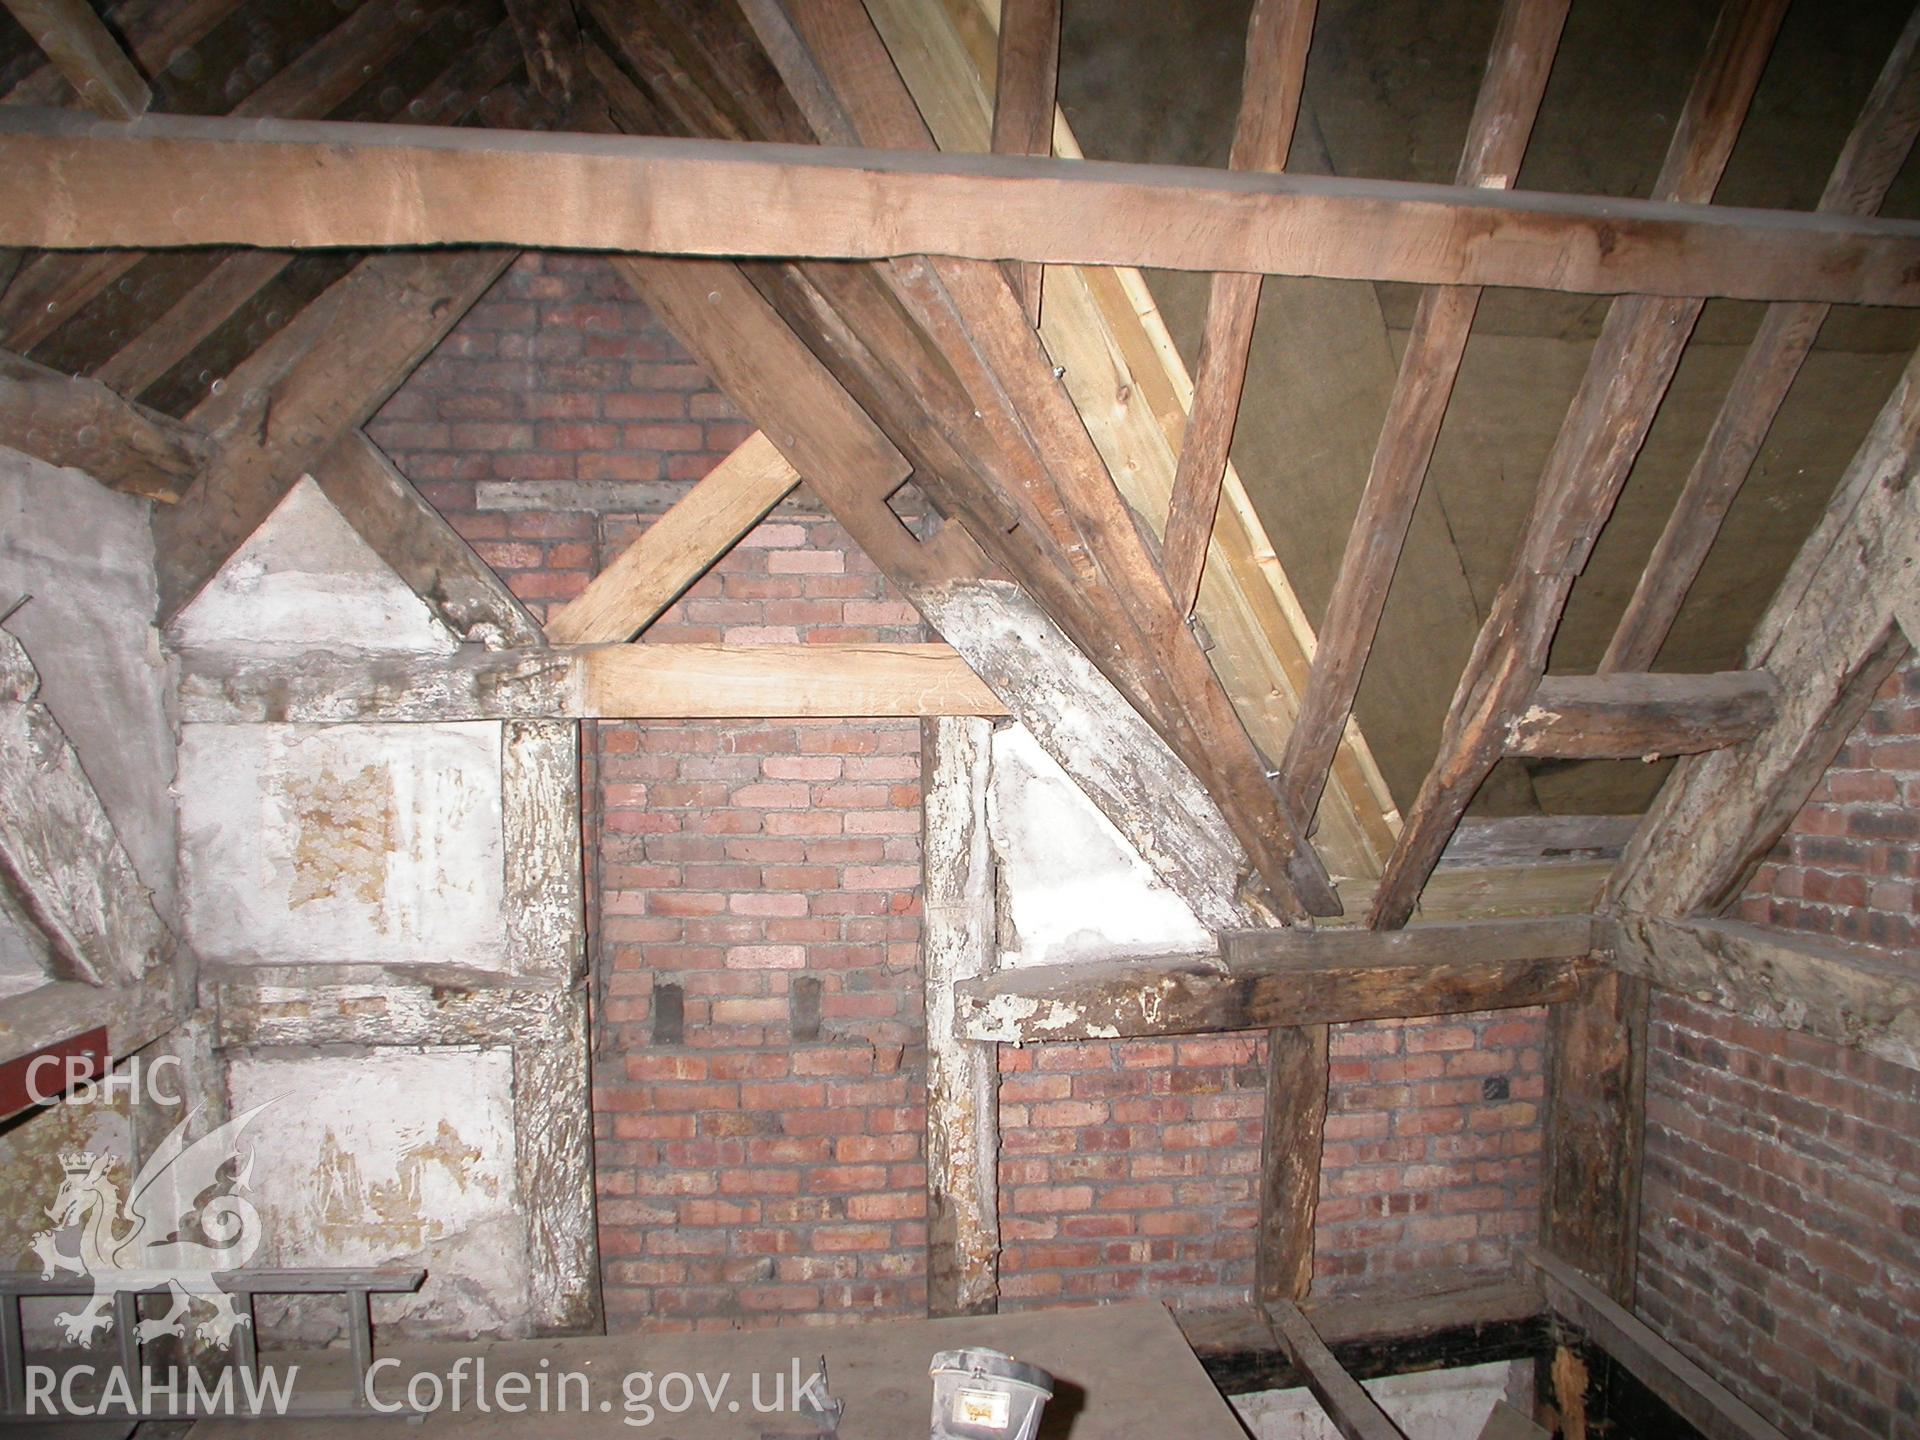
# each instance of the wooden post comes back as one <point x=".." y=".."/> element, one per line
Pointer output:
<point x="1296" y="1123"/>
<point x="1596" y="1113"/>
<point x="963" y="1087"/>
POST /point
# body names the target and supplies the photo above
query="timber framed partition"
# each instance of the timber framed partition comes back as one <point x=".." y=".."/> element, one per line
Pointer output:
<point x="980" y="354"/>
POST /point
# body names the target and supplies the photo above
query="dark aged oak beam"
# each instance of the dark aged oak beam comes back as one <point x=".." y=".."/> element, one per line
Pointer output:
<point x="1595" y="1123"/>
<point x="71" y="182"/>
<point x="1631" y="364"/>
<point x="1354" y="1413"/>
<point x="1269" y="978"/>
<point x="1830" y="637"/>
<point x="84" y="51"/>
<point x="1524" y="43"/>
<point x="1709" y="1407"/>
<point x="1278" y="35"/>
<point x="1850" y="994"/>
<point x="1627" y="716"/>
<point x="66" y="420"/>
<point x="1868" y="164"/>
<point x="1452" y="1319"/>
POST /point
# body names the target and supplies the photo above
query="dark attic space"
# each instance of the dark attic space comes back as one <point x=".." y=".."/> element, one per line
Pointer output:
<point x="781" y="719"/>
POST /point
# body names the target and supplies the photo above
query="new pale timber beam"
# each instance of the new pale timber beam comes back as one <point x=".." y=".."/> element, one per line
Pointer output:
<point x="679" y="547"/>
<point x="1627" y="375"/>
<point x="1524" y="44"/>
<point x="85" y="52"/>
<point x="1268" y="978"/>
<point x="75" y="183"/>
<point x="1638" y="717"/>
<point x="325" y="372"/>
<point x="1278" y="35"/>
<point x="66" y="420"/>
<point x="1829" y="638"/>
<point x="1354" y="1413"/>
<point x="1132" y="389"/>
<point x="51" y="289"/>
<point x="1873" y="155"/>
<point x="423" y="549"/>
<point x="1023" y="101"/>
<point x="598" y="682"/>
<point x="1854" y="995"/>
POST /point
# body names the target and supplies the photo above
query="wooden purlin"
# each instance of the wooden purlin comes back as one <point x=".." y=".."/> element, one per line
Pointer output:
<point x="1133" y="392"/>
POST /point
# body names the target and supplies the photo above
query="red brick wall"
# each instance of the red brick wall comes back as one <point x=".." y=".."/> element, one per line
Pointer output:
<point x="1848" y="863"/>
<point x="770" y="873"/>
<point x="1780" y="1229"/>
<point x="1780" y="1226"/>
<point x="1129" y="1170"/>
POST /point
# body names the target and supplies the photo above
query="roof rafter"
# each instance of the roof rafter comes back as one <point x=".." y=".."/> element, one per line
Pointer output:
<point x="235" y="279"/>
<point x="1132" y="390"/>
<point x="1871" y="159"/>
<point x="1627" y="375"/>
<point x="84" y="51"/>
<point x="1524" y="44"/>
<point x="66" y="420"/>
<point x="326" y="371"/>
<point x="1829" y="638"/>
<point x="1037" y="455"/>
<point x="414" y="539"/>
<point x="1026" y="79"/>
<point x="1278" y="35"/>
<point x="51" y="289"/>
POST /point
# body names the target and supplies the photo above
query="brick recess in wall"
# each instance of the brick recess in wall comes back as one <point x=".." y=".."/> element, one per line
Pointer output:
<point x="1780" y="1220"/>
<point x="759" y="1039"/>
